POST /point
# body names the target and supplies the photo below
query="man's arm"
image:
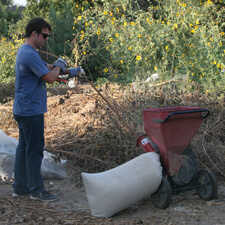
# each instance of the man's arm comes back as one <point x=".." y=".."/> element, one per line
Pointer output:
<point x="51" y="76"/>
<point x="50" y="68"/>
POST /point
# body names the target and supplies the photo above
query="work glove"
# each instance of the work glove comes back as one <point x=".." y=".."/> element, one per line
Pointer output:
<point x="61" y="63"/>
<point x="77" y="72"/>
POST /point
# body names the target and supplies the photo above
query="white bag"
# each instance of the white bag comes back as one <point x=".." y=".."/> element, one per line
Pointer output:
<point x="114" y="190"/>
<point x="49" y="168"/>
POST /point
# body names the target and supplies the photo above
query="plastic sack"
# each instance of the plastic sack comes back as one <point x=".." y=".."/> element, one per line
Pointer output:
<point x="49" y="168"/>
<point x="114" y="190"/>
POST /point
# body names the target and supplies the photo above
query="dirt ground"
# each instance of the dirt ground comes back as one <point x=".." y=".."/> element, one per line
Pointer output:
<point x="73" y="208"/>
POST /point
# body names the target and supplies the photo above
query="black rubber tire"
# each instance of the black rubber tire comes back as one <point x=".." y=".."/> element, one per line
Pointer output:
<point x="191" y="154"/>
<point x="163" y="196"/>
<point x="177" y="180"/>
<point x="208" y="182"/>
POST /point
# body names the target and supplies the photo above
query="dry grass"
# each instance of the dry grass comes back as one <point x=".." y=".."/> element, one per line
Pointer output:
<point x="82" y="128"/>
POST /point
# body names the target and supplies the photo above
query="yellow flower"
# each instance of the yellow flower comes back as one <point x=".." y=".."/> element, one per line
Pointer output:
<point x="210" y="39"/>
<point x="130" y="48"/>
<point x="155" y="68"/>
<point x="178" y="14"/>
<point x="168" y="23"/>
<point x="184" y="5"/>
<point x="117" y="35"/>
<point x="105" y="13"/>
<point x="111" y="14"/>
<point x="121" y="61"/>
<point x="98" y="32"/>
<point x="197" y="22"/>
<point x="139" y="35"/>
<point x="91" y="21"/>
<point x="215" y="62"/>
<point x="138" y="57"/>
<point x="79" y="17"/>
<point x="125" y="24"/>
<point x="167" y="47"/>
<point x="111" y="39"/>
<point x="175" y="25"/>
<point x="222" y="33"/>
<point x="193" y="31"/>
<point x="82" y="32"/>
<point x="85" y="53"/>
<point x="115" y="75"/>
<point x="221" y="44"/>
<point x="218" y="65"/>
<point x="132" y="23"/>
<point x="113" y="19"/>
<point x="106" y="70"/>
<point x="117" y="10"/>
<point x="196" y="27"/>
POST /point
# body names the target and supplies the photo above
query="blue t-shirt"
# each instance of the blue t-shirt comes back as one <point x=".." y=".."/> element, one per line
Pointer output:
<point x="30" y="89"/>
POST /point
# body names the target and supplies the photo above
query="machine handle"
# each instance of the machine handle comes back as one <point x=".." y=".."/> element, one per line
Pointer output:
<point x="183" y="112"/>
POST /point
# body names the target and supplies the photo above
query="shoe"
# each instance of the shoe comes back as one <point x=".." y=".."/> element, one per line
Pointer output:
<point x="45" y="196"/>
<point x="17" y="195"/>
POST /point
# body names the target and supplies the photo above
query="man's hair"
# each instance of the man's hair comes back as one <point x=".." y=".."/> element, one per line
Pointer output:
<point x="36" y="24"/>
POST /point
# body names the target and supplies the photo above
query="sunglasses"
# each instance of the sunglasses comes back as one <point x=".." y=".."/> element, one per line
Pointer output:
<point x="45" y="35"/>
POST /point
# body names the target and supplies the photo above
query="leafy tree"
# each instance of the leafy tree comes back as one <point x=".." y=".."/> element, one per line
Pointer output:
<point x="62" y="31"/>
<point x="7" y="18"/>
<point x="6" y="2"/>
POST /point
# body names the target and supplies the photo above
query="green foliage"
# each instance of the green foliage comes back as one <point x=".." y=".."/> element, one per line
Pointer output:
<point x="42" y="8"/>
<point x="6" y="2"/>
<point x="124" y="40"/>
<point x="62" y="24"/>
<point x="172" y="38"/>
<point x="7" y="18"/>
<point x="8" y="49"/>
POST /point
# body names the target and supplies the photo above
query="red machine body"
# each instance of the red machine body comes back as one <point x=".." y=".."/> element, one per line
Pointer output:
<point x="172" y="130"/>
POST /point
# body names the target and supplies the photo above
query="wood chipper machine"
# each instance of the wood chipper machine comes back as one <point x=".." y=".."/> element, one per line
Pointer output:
<point x="170" y="131"/>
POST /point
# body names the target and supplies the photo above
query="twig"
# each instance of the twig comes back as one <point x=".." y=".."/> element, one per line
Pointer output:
<point x="48" y="53"/>
<point x="6" y="107"/>
<point x="111" y="107"/>
<point x="209" y="156"/>
<point x="75" y="154"/>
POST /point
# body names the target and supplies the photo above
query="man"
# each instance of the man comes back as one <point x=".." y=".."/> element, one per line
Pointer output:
<point x="30" y="104"/>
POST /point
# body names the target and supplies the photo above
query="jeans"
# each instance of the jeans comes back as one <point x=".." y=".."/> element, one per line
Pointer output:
<point x="29" y="155"/>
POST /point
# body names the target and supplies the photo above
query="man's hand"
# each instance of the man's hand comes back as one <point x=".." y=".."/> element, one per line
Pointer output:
<point x="77" y="72"/>
<point x="61" y="63"/>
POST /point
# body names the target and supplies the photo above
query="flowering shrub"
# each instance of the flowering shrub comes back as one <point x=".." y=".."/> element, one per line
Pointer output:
<point x="120" y="41"/>
<point x="8" y="49"/>
<point x="174" y="38"/>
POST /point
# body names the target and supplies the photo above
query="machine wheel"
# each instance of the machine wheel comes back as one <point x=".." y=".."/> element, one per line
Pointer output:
<point x="189" y="170"/>
<point x="163" y="196"/>
<point x="208" y="182"/>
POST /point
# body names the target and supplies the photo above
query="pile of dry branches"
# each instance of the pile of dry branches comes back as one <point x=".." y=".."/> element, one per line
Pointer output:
<point x="81" y="127"/>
